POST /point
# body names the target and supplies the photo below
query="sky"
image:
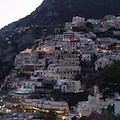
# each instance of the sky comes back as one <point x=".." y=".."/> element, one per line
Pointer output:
<point x="13" y="10"/>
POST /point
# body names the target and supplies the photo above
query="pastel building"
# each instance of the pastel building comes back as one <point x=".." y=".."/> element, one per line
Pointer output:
<point x="68" y="85"/>
<point x="46" y="104"/>
<point x="68" y="71"/>
<point x="101" y="63"/>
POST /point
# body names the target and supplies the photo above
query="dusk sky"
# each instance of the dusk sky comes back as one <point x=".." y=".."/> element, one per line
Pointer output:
<point x="13" y="10"/>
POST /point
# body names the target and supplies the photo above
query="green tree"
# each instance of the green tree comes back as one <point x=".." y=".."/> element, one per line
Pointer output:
<point x="78" y="76"/>
<point x="109" y="80"/>
<point x="106" y="116"/>
<point x="83" y="118"/>
<point x="51" y="115"/>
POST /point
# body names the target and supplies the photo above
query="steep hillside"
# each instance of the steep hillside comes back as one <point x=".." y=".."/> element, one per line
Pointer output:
<point x="48" y="14"/>
<point x="59" y="11"/>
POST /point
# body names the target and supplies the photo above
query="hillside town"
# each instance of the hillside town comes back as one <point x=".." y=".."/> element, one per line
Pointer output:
<point x="60" y="71"/>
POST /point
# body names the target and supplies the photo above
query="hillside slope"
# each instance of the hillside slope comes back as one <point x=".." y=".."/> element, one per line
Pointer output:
<point x="59" y="11"/>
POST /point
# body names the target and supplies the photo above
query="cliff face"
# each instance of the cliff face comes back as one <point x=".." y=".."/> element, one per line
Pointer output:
<point x="59" y="11"/>
<point x="17" y="43"/>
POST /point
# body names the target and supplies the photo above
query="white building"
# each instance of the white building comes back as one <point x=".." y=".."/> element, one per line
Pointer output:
<point x="68" y="86"/>
<point x="106" y="41"/>
<point x="86" y="57"/>
<point x="26" y="57"/>
<point x="78" y="19"/>
<point x="83" y="108"/>
<point x="68" y="36"/>
<point x="68" y="71"/>
<point x="48" y="75"/>
<point x="52" y="68"/>
<point x="28" y="86"/>
<point x="69" y="46"/>
<point x="42" y="62"/>
<point x="94" y="103"/>
<point x="46" y="104"/>
<point x="58" y="37"/>
<point x="101" y="63"/>
<point x="117" y="106"/>
<point x="52" y="76"/>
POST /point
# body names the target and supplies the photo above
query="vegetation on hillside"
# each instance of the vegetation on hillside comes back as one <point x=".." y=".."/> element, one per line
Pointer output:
<point x="109" y="80"/>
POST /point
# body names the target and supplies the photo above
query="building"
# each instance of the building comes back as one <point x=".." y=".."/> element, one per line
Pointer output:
<point x="42" y="62"/>
<point x="117" y="106"/>
<point x="86" y="57"/>
<point x="70" y="61"/>
<point x="52" y="68"/>
<point x="76" y="20"/>
<point x="68" y="71"/>
<point x="101" y="63"/>
<point x="106" y="41"/>
<point x="94" y="103"/>
<point x="69" y="46"/>
<point x="83" y="108"/>
<point x="73" y="86"/>
<point x="28" y="86"/>
<point x="46" y="104"/>
<point x="68" y="36"/>
<point x="29" y="68"/>
<point x="27" y="56"/>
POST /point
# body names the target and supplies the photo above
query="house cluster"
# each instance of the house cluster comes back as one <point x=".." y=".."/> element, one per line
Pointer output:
<point x="59" y="106"/>
<point x="57" y="60"/>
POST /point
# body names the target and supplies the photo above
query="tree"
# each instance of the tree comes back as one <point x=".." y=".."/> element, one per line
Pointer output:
<point x="83" y="118"/>
<point x="75" y="118"/>
<point x="109" y="80"/>
<point x="106" y="116"/>
<point x="89" y="25"/>
<point x="78" y="76"/>
<point x="51" y="115"/>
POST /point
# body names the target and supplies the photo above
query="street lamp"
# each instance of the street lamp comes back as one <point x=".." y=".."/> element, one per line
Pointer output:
<point x="63" y="117"/>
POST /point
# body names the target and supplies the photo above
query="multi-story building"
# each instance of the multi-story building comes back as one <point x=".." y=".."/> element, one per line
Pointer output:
<point x="117" y="106"/>
<point x="76" y="20"/>
<point x="105" y="42"/>
<point x="28" y="86"/>
<point x="68" y="85"/>
<point x="27" y="57"/>
<point x="46" y="104"/>
<point x="68" y="71"/>
<point x="48" y="75"/>
<point x="29" y="68"/>
<point x="86" y="56"/>
<point x="101" y="63"/>
<point x="70" y="61"/>
<point x="69" y="46"/>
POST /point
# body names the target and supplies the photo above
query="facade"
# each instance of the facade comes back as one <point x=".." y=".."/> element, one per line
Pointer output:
<point x="105" y="42"/>
<point x="46" y="104"/>
<point x="68" y="85"/>
<point x="70" y="61"/>
<point x="27" y="57"/>
<point x="86" y="57"/>
<point x="68" y="71"/>
<point x="68" y="36"/>
<point x="117" y="106"/>
<point x="29" y="68"/>
<point x="28" y="86"/>
<point x="69" y="46"/>
<point x="101" y="63"/>
<point x="77" y="20"/>
<point x="42" y="62"/>
<point x="52" y="68"/>
<point x="84" y="108"/>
